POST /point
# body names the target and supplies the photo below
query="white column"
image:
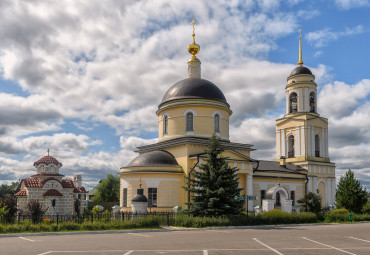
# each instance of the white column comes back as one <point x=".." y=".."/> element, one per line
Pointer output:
<point x="327" y="142"/>
<point x="278" y="139"/>
<point x="300" y="100"/>
<point x="306" y="100"/>
<point x="297" y="150"/>
<point x="309" y="140"/>
<point x="287" y="101"/>
<point x="303" y="143"/>
<point x="249" y="182"/>
<point x="315" y="185"/>
<point x="322" y="143"/>
<point x="312" y="141"/>
<point x="283" y="151"/>
<point x="334" y="189"/>
<point x="309" y="184"/>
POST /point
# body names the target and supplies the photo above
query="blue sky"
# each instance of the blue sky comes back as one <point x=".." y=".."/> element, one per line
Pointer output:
<point x="85" y="79"/>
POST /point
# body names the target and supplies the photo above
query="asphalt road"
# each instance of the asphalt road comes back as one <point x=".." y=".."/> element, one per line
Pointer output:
<point x="307" y="239"/>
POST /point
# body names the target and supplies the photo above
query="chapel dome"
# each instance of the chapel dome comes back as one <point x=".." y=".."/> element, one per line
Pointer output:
<point x="194" y="88"/>
<point x="47" y="160"/>
<point x="300" y="70"/>
<point x="154" y="158"/>
<point x="139" y="197"/>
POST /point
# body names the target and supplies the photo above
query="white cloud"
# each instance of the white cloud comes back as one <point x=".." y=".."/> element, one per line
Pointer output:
<point x="323" y="37"/>
<point x="348" y="4"/>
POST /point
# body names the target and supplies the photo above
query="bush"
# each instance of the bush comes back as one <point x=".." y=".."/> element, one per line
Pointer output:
<point x="361" y="217"/>
<point x="338" y="215"/>
<point x="366" y="209"/>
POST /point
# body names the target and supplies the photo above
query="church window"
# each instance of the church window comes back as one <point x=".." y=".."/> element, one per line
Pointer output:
<point x="189" y="121"/>
<point x="278" y="201"/>
<point x="124" y="197"/>
<point x="53" y="203"/>
<point x="293" y="102"/>
<point x="292" y="196"/>
<point x="317" y="145"/>
<point x="152" y="197"/>
<point x="312" y="102"/>
<point x="165" y="125"/>
<point x="217" y="123"/>
<point x="263" y="195"/>
<point x="291" y="146"/>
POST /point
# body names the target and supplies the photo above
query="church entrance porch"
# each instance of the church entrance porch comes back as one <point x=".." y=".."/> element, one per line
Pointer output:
<point x="277" y="198"/>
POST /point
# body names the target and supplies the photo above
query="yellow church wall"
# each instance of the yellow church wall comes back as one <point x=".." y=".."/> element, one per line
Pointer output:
<point x="203" y="121"/>
<point x="168" y="190"/>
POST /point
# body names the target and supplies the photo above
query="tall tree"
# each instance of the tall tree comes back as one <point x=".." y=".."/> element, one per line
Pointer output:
<point x="108" y="190"/>
<point x="215" y="185"/>
<point x="350" y="193"/>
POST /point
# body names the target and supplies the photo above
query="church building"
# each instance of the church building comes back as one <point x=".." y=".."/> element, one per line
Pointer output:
<point x="194" y="109"/>
<point x="56" y="194"/>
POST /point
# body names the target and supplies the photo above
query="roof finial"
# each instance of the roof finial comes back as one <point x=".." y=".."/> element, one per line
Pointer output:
<point x="48" y="151"/>
<point x="140" y="184"/>
<point x="300" y="62"/>
<point x="194" y="63"/>
<point x="193" y="48"/>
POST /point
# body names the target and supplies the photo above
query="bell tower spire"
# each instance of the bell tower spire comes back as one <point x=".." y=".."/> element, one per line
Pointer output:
<point x="194" y="62"/>
<point x="300" y="62"/>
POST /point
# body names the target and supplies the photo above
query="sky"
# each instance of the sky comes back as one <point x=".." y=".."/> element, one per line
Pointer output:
<point x="84" y="78"/>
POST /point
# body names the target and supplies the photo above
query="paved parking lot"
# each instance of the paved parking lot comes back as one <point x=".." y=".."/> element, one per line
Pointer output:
<point x="308" y="239"/>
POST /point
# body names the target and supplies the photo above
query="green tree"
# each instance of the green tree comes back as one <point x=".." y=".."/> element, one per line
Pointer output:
<point x="8" y="190"/>
<point x="108" y="190"/>
<point x="215" y="185"/>
<point x="311" y="202"/>
<point x="350" y="193"/>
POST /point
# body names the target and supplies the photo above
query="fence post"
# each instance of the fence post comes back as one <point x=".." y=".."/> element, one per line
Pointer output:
<point x="168" y="219"/>
<point x="57" y="219"/>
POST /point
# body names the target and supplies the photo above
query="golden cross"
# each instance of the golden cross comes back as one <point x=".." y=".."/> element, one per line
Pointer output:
<point x="193" y="22"/>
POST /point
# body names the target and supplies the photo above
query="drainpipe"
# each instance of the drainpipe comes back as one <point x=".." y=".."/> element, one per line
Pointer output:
<point x="189" y="176"/>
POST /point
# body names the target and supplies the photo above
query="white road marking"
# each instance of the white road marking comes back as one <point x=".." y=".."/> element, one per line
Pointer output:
<point x="27" y="239"/>
<point x="274" y="250"/>
<point x="138" y="235"/>
<point x="359" y="239"/>
<point x="45" y="253"/>
<point x="205" y="252"/>
<point x="335" y="248"/>
<point x="129" y="252"/>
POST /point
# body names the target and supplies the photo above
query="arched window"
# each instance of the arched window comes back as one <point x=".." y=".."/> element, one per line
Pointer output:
<point x="278" y="200"/>
<point x="312" y="102"/>
<point x="293" y="102"/>
<point x="217" y="123"/>
<point x="291" y="146"/>
<point x="317" y="145"/>
<point x="165" y="125"/>
<point x="189" y="122"/>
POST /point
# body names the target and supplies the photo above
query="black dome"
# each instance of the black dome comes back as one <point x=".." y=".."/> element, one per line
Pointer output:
<point x="154" y="158"/>
<point x="139" y="197"/>
<point x="194" y="88"/>
<point x="300" y="70"/>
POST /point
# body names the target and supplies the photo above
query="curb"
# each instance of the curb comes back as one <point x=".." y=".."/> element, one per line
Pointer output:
<point x="169" y="229"/>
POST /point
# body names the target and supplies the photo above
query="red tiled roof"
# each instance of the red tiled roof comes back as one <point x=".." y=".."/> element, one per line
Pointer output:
<point x="52" y="192"/>
<point x="22" y="192"/>
<point x="67" y="183"/>
<point x="47" y="160"/>
<point x="79" y="190"/>
<point x="32" y="182"/>
<point x="49" y="179"/>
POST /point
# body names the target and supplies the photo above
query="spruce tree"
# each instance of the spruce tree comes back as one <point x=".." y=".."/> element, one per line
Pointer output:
<point x="350" y="193"/>
<point x="214" y="185"/>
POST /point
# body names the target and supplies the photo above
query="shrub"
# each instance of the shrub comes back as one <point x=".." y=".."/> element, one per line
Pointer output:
<point x="35" y="210"/>
<point x="3" y="212"/>
<point x="338" y="215"/>
<point x="366" y="209"/>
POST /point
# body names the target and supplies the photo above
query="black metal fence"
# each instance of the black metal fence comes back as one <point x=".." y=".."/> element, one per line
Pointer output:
<point x="165" y="218"/>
